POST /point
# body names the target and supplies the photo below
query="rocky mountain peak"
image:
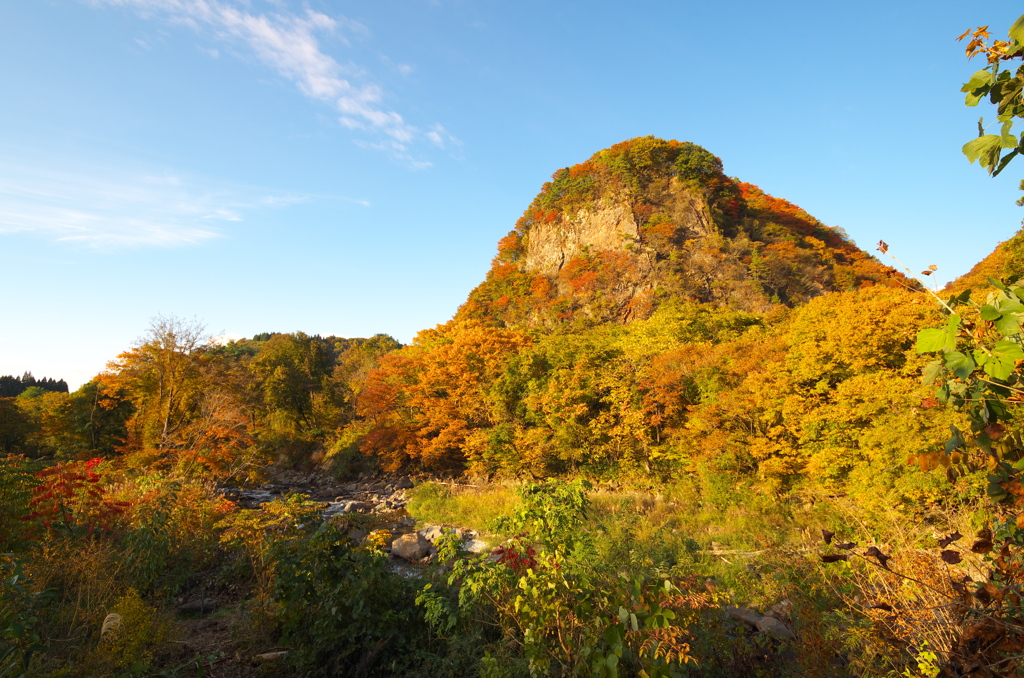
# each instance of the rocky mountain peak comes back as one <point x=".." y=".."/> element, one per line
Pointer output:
<point x="647" y="220"/>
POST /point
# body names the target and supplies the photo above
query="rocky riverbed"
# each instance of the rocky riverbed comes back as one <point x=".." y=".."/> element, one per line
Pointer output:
<point x="360" y="496"/>
<point x="383" y="498"/>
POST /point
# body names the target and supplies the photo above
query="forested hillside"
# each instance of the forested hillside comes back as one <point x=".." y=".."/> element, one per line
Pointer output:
<point x="177" y="401"/>
<point x="648" y="315"/>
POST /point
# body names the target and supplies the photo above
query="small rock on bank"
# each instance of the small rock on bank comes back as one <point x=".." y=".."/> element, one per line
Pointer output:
<point x="764" y="623"/>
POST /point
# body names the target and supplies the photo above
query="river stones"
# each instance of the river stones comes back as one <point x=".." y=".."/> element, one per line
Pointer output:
<point x="433" y="532"/>
<point x="743" y="614"/>
<point x="766" y="624"/>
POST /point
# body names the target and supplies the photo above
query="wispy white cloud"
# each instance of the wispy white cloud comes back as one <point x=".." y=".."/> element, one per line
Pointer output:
<point x="104" y="208"/>
<point x="397" y="151"/>
<point x="441" y="138"/>
<point x="403" y="69"/>
<point x="287" y="42"/>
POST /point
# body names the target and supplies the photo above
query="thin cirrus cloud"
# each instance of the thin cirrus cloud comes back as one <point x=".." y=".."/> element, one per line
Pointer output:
<point x="107" y="209"/>
<point x="287" y="42"/>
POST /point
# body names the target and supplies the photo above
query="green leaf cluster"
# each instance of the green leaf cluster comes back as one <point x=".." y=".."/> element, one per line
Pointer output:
<point x="1002" y="88"/>
<point x="20" y="636"/>
<point x="341" y="608"/>
<point x="980" y="349"/>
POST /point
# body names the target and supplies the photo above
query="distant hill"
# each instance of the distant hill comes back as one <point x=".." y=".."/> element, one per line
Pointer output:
<point x="647" y="220"/>
<point x="11" y="386"/>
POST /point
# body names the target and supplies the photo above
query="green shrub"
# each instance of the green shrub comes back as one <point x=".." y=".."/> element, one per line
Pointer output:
<point x="695" y="162"/>
<point x="341" y="608"/>
<point x="19" y="635"/>
<point x="128" y="647"/>
<point x="572" y="612"/>
<point x="16" y="483"/>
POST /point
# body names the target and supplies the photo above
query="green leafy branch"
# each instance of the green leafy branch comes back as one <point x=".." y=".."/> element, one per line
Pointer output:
<point x="1002" y="88"/>
<point x="980" y="349"/>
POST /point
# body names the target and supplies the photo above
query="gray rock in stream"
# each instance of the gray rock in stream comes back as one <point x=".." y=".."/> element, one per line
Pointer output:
<point x="477" y="546"/>
<point x="763" y="623"/>
<point x="411" y="547"/>
<point x="348" y="506"/>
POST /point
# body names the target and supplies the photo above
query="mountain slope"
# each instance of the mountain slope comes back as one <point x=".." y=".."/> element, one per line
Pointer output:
<point x="1006" y="260"/>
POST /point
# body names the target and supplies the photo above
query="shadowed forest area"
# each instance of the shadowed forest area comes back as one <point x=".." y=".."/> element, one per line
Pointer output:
<point x="682" y="428"/>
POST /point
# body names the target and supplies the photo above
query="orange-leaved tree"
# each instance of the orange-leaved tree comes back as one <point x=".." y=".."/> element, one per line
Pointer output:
<point x="427" y="403"/>
<point x="162" y="377"/>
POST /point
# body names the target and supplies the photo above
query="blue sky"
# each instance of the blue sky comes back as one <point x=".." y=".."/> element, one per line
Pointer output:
<point x="347" y="168"/>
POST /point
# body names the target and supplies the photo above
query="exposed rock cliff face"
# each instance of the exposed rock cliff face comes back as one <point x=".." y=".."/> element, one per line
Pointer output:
<point x="604" y="229"/>
<point x="649" y="220"/>
<point x="612" y="225"/>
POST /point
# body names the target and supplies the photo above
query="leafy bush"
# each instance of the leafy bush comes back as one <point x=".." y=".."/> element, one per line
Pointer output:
<point x="129" y="645"/>
<point x="19" y="635"/>
<point x="71" y="501"/>
<point x="571" y="612"/>
<point x="255" y="533"/>
<point x="341" y="608"/>
<point x="148" y="547"/>
<point x="17" y="480"/>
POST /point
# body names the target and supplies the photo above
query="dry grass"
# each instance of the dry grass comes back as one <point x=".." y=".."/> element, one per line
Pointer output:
<point x="912" y="599"/>
<point x="475" y="507"/>
<point x="87" y="577"/>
